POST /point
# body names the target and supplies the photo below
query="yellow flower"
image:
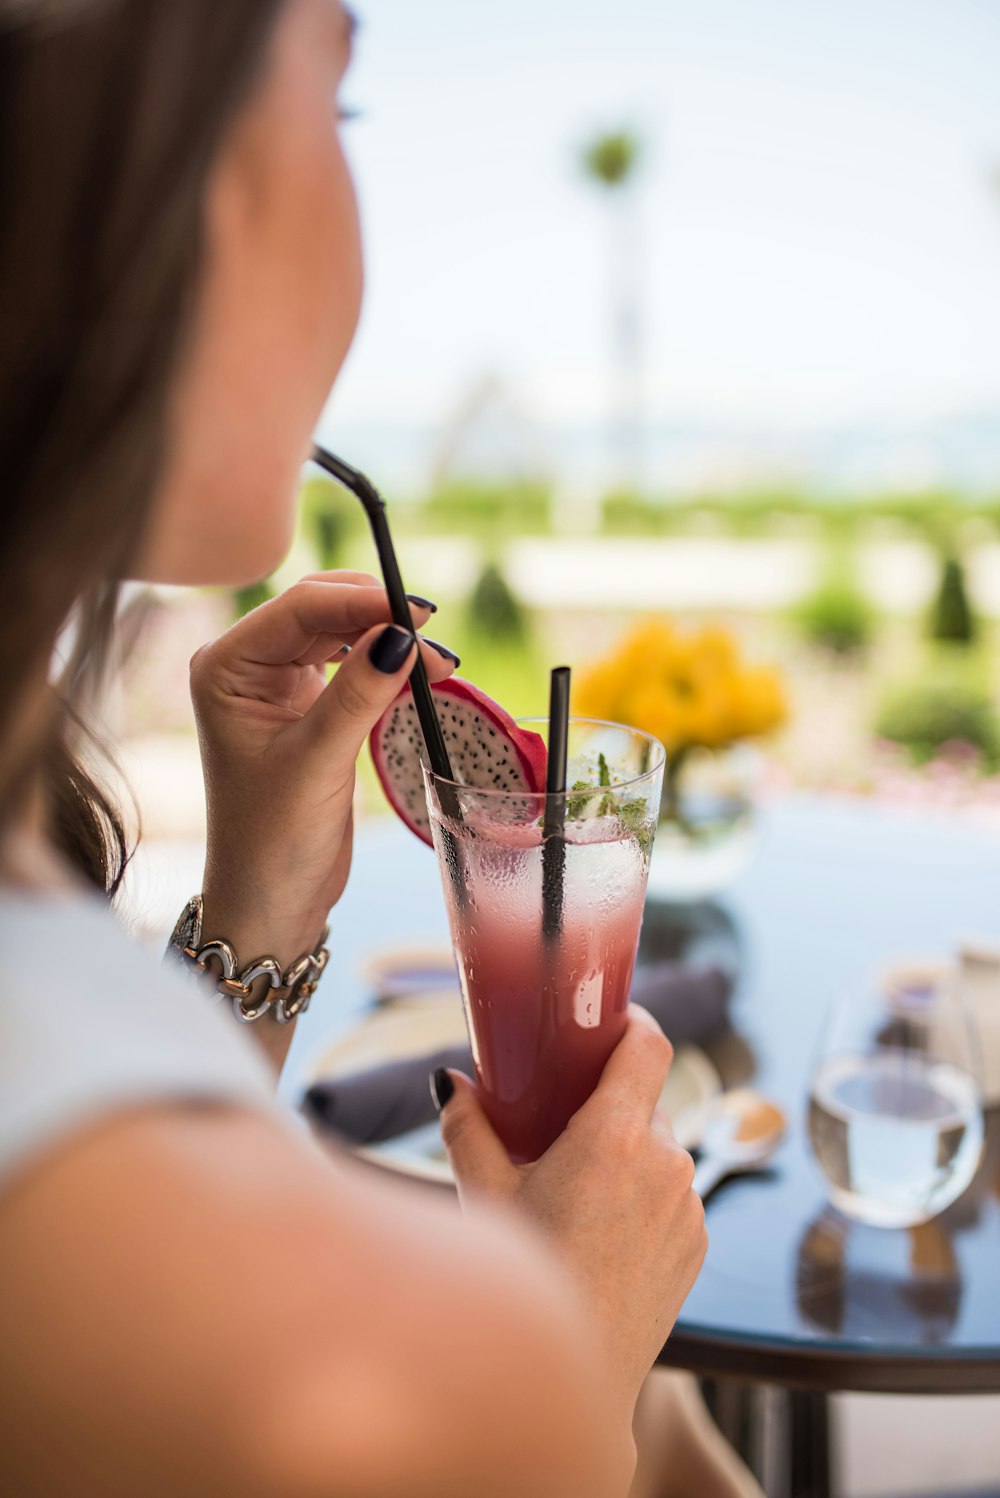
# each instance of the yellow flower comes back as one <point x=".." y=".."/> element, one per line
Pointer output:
<point x="715" y="650"/>
<point x="761" y="702"/>
<point x="597" y="690"/>
<point x="715" y="722"/>
<point x="687" y="689"/>
<point x="650" y="709"/>
<point x="647" y="649"/>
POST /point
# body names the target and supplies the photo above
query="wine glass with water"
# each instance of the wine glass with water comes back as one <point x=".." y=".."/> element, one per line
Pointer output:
<point x="895" y="1107"/>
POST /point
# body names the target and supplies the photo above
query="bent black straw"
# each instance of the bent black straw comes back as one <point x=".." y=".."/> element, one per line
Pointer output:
<point x="374" y="506"/>
<point x="554" y="844"/>
<point x="437" y="752"/>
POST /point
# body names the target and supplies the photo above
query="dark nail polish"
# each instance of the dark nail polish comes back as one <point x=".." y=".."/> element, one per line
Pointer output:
<point x="390" y="650"/>
<point x="442" y="650"/>
<point x="318" y="1105"/>
<point x="442" y="1088"/>
<point x="422" y="603"/>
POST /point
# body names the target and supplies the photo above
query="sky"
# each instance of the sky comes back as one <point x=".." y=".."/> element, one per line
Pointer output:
<point x="818" y="214"/>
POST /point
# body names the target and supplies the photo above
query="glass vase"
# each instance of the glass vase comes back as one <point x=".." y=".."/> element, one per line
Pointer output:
<point x="708" y="827"/>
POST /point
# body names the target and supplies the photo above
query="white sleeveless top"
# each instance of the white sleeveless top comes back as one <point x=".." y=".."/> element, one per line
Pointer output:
<point x="91" y="1023"/>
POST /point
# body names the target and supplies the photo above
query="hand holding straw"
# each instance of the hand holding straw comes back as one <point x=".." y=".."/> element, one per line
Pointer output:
<point x="437" y="752"/>
<point x="554" y="844"/>
<point x="374" y="505"/>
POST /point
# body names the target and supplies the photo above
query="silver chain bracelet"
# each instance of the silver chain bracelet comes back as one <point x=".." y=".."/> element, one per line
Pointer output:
<point x="286" y="994"/>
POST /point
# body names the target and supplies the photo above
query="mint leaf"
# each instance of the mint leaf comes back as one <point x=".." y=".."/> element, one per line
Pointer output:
<point x="635" y="816"/>
<point x="577" y="805"/>
<point x="632" y="812"/>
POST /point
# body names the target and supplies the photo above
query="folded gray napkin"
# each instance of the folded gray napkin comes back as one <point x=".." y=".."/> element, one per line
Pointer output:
<point x="370" y="1106"/>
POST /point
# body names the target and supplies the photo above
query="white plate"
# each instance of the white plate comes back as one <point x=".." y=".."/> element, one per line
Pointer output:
<point x="410" y="972"/>
<point x="692" y="1085"/>
<point x="414" y="1027"/>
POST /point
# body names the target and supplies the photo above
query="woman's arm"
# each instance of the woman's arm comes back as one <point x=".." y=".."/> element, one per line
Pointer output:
<point x="207" y="1305"/>
<point x="279" y="744"/>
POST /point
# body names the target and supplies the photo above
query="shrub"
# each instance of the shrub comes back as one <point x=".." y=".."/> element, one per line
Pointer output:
<point x="332" y="519"/>
<point x="837" y="616"/>
<point x="946" y="705"/>
<point x="245" y="599"/>
<point x="755" y="512"/>
<point x="934" y="515"/>
<point x="493" y="609"/>
<point x="626" y="514"/>
<point x="952" y="619"/>
<point x="499" y="510"/>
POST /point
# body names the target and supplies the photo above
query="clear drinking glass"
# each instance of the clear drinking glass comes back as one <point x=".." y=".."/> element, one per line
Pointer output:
<point x="546" y="1008"/>
<point x="895" y="1107"/>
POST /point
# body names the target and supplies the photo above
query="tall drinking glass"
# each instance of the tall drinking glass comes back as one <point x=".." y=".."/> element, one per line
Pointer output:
<point x="545" y="1008"/>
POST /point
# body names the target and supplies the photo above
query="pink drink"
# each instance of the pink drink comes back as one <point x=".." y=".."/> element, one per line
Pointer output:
<point x="543" y="1015"/>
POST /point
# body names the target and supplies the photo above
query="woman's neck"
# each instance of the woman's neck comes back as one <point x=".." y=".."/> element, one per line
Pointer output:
<point x="27" y="857"/>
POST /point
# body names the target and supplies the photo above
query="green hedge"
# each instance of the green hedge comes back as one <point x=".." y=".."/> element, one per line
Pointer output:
<point x="950" y="702"/>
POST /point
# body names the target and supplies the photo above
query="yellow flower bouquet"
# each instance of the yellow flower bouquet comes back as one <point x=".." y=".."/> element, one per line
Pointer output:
<point x="693" y="691"/>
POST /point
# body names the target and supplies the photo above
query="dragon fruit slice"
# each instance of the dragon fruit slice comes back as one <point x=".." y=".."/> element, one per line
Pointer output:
<point x="487" y="749"/>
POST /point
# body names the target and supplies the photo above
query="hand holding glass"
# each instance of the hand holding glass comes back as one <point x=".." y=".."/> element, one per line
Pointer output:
<point x="545" y="1010"/>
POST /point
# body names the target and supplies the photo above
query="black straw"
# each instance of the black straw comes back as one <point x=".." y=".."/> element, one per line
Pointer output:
<point x="374" y="505"/>
<point x="437" y="751"/>
<point x="554" y="844"/>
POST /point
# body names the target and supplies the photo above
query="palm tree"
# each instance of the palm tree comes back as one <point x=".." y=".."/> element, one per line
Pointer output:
<point x="611" y="161"/>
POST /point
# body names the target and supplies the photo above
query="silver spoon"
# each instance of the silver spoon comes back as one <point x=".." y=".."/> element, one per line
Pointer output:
<point x="742" y="1132"/>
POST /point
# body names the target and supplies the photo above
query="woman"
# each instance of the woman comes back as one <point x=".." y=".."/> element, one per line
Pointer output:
<point x="197" y="1298"/>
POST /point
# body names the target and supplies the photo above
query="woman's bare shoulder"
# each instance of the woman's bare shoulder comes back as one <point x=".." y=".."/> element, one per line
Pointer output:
<point x="207" y="1301"/>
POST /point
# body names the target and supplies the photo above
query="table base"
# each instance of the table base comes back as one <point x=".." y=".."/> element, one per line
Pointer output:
<point x="783" y="1435"/>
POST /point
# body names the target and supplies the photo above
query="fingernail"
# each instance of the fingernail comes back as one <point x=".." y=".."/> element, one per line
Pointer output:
<point x="422" y="603"/>
<point x="317" y="1104"/>
<point x="442" y="1088"/>
<point x="390" y="650"/>
<point x="449" y="655"/>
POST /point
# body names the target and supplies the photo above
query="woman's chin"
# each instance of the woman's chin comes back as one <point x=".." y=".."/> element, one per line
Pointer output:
<point x="229" y="564"/>
<point x="235" y="556"/>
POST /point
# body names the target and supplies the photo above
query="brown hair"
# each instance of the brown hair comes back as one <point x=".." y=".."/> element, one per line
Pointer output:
<point x="111" y="113"/>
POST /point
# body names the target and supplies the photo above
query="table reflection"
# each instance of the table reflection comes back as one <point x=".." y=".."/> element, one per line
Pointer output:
<point x="861" y="1282"/>
<point x="705" y="934"/>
